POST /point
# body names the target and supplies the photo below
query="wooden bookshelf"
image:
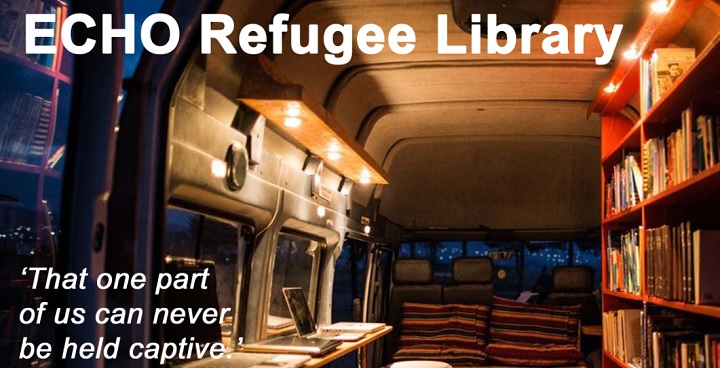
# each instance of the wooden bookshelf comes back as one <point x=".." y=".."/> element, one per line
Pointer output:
<point x="705" y="310"/>
<point x="628" y="216"/>
<point x="658" y="30"/>
<point x="697" y="198"/>
<point x="613" y="359"/>
<point x="622" y="295"/>
<point x="631" y="141"/>
<point x="43" y="129"/>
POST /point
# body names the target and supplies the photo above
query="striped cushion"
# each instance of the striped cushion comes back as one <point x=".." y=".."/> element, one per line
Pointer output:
<point x="520" y="323"/>
<point x="453" y="333"/>
<point x="533" y="354"/>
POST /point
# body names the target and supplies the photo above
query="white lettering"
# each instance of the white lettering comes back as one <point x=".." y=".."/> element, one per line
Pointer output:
<point x="66" y="34"/>
<point x="443" y="47"/>
<point x="207" y="34"/>
<point x="127" y="33"/>
<point x="394" y="39"/>
<point x="345" y="46"/>
<point x="173" y="40"/>
<point x="370" y="33"/>
<point x="608" y="46"/>
<point x="493" y="30"/>
<point x="32" y="33"/>
<point x="560" y="39"/>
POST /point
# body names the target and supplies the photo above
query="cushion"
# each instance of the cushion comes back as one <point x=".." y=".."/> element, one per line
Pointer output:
<point x="520" y="323"/>
<point x="453" y="333"/>
<point x="533" y="354"/>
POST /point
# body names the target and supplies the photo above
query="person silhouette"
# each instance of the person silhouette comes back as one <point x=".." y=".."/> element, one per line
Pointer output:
<point x="674" y="72"/>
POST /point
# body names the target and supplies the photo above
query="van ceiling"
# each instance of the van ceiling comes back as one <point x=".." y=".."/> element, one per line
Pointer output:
<point x="468" y="141"/>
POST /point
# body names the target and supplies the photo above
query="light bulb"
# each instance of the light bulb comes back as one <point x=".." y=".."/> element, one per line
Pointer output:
<point x="292" y="122"/>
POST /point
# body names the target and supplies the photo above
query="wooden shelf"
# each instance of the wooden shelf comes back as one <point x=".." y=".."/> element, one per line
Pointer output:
<point x="705" y="310"/>
<point x="658" y="30"/>
<point x="699" y="188"/>
<point x="615" y="359"/>
<point x="269" y="93"/>
<point x="631" y="141"/>
<point x="620" y="294"/>
<point x="40" y="69"/>
<point x="690" y="86"/>
<point x="631" y="216"/>
<point x="16" y="166"/>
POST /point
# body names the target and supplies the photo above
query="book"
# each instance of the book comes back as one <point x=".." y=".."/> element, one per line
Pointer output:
<point x="668" y="64"/>
<point x="352" y="327"/>
<point x="706" y="246"/>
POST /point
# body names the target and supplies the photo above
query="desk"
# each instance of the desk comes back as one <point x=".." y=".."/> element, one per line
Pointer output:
<point x="348" y="347"/>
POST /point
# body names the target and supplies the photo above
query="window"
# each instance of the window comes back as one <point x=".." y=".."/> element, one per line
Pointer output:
<point x="348" y="285"/>
<point x="197" y="237"/>
<point x="297" y="261"/>
<point x="349" y="282"/>
<point x="518" y="265"/>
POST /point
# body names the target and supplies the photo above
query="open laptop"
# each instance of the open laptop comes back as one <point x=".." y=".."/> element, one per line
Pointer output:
<point x="304" y="321"/>
<point x="307" y="341"/>
<point x="199" y="297"/>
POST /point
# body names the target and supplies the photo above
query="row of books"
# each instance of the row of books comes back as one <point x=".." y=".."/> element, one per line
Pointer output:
<point x="625" y="188"/>
<point x="659" y="73"/>
<point x="624" y="261"/>
<point x="687" y="151"/>
<point x="673" y="340"/>
<point x="24" y="127"/>
<point x="12" y="28"/>
<point x="622" y="335"/>
<point x="659" y="338"/>
<point x="680" y="261"/>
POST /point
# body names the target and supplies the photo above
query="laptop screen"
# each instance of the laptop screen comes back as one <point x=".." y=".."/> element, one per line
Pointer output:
<point x="299" y="310"/>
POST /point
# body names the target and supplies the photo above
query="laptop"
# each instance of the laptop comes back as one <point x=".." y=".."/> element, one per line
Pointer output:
<point x="304" y="321"/>
<point x="307" y="341"/>
<point x="210" y="333"/>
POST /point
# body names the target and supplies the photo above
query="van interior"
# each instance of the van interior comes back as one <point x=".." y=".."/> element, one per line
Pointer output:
<point x="394" y="178"/>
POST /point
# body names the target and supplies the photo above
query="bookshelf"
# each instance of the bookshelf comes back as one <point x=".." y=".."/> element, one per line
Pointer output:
<point x="695" y="199"/>
<point x="35" y="96"/>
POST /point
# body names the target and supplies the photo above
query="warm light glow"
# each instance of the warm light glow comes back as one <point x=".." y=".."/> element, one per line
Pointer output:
<point x="610" y="88"/>
<point x="367" y="230"/>
<point x="334" y="152"/>
<point x="660" y="6"/>
<point x="365" y="177"/>
<point x="631" y="53"/>
<point x="321" y="211"/>
<point x="292" y="122"/>
<point x="293" y="111"/>
<point x="218" y="169"/>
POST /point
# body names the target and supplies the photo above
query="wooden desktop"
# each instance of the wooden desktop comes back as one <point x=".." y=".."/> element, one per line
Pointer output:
<point x="349" y="347"/>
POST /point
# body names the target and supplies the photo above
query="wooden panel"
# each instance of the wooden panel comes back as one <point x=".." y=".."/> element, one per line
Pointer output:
<point x="319" y="132"/>
<point x="617" y="132"/>
<point x="347" y="347"/>
<point x="613" y="360"/>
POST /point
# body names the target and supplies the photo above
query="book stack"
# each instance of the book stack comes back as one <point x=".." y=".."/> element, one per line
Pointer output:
<point x="12" y="28"/>
<point x="671" y="340"/>
<point x="624" y="261"/>
<point x="707" y="141"/>
<point x="687" y="151"/>
<point x="679" y="263"/>
<point x="24" y="127"/>
<point x="626" y="185"/>
<point x="622" y="334"/>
